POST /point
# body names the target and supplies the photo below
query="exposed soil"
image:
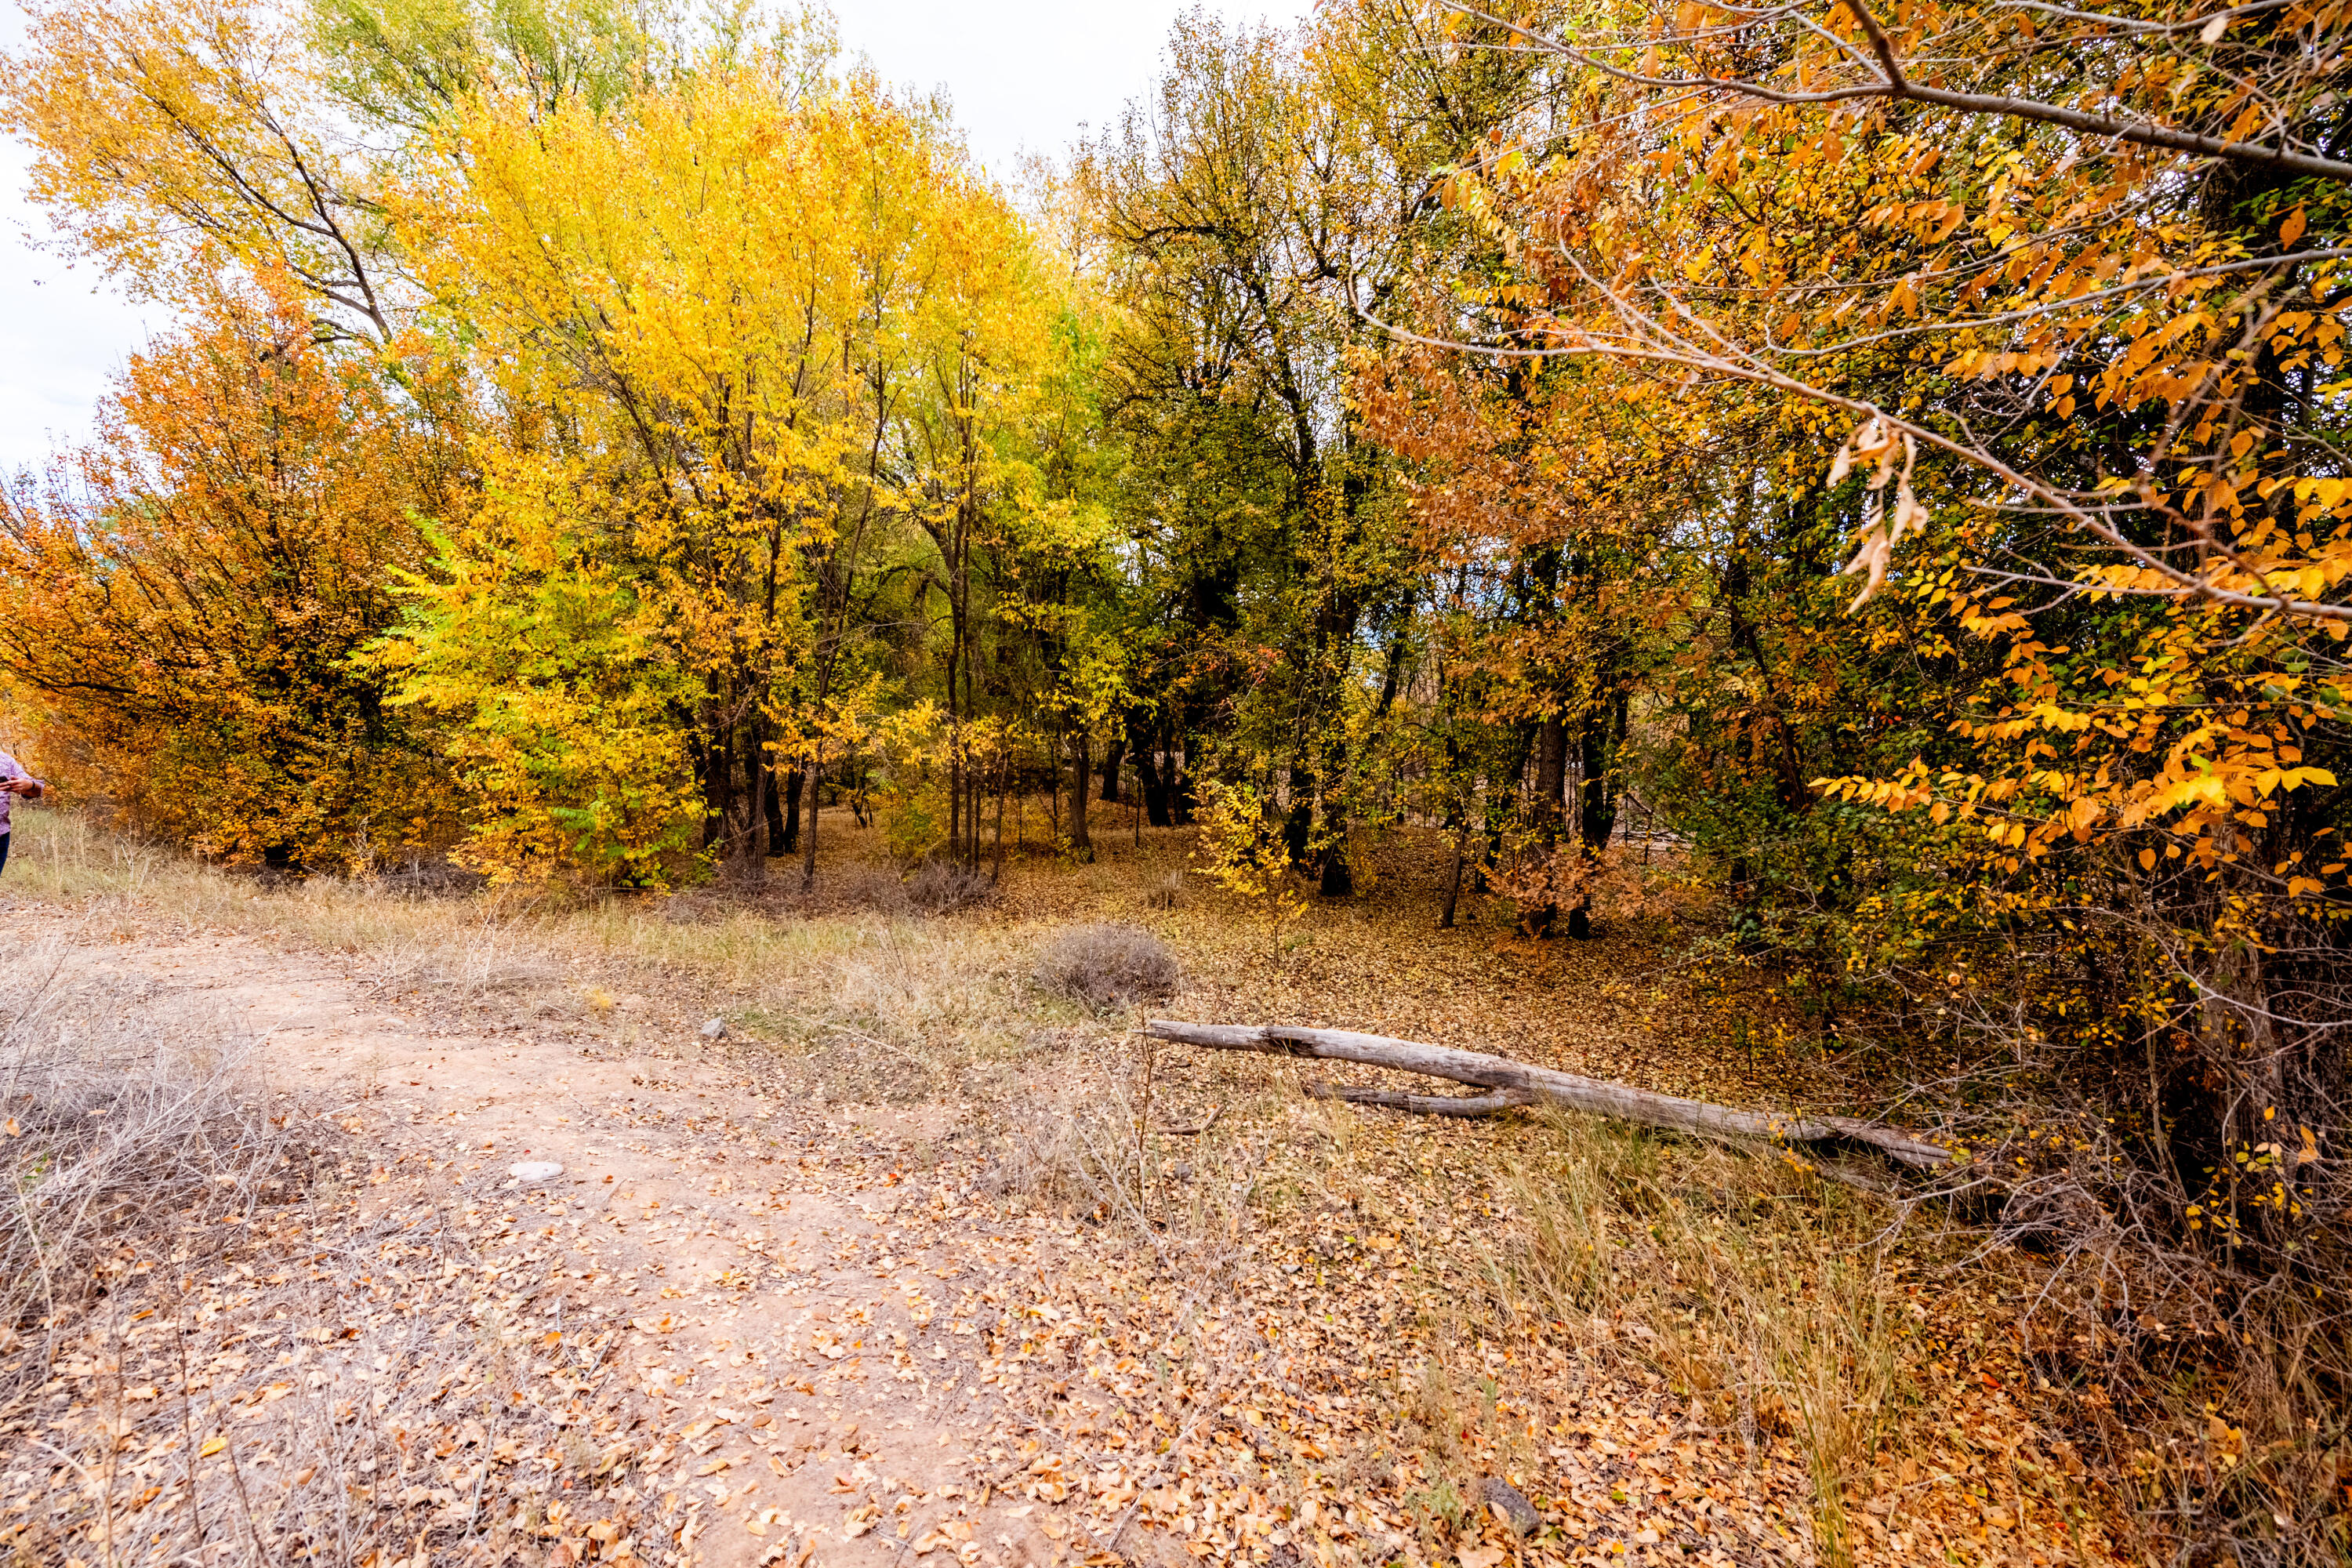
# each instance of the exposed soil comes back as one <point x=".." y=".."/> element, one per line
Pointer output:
<point x="843" y="1333"/>
<point x="805" y="1315"/>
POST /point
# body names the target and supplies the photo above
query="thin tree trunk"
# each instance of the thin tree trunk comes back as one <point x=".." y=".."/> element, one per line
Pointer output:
<point x="1082" y="750"/>
<point x="1454" y="883"/>
<point x="1004" y="764"/>
<point x="814" y="791"/>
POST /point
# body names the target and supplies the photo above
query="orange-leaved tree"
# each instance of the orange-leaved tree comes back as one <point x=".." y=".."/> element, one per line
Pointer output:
<point x="187" y="596"/>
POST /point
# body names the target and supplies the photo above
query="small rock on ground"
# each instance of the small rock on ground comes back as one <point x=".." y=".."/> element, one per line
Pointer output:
<point x="1504" y="1501"/>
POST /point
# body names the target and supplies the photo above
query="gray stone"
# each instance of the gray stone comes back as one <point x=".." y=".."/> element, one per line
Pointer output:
<point x="715" y="1030"/>
<point x="1506" y="1503"/>
<point x="535" y="1170"/>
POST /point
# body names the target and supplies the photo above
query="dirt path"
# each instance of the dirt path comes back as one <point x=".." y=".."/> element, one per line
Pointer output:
<point x="810" y="1325"/>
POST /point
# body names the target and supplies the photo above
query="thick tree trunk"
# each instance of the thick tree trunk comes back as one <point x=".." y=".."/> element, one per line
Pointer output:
<point x="1298" y="820"/>
<point x="715" y="761"/>
<point x="1550" y="785"/>
<point x="1335" y="878"/>
<point x="743" y="847"/>
<point x="1598" y="793"/>
<point x="1154" y="785"/>
<point x="771" y="803"/>
<point x="791" y="813"/>
<point x="1454" y="883"/>
<point x="1543" y="1085"/>
<point x="1114" y="754"/>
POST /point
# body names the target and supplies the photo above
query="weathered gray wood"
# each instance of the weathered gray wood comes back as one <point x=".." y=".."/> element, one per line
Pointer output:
<point x="1596" y="1096"/>
<point x="1423" y="1104"/>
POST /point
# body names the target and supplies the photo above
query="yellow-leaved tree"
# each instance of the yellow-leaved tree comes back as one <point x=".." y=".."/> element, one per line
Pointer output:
<point x="755" y="326"/>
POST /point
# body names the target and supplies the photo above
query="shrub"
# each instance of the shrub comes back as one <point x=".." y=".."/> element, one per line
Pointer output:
<point x="124" y="1122"/>
<point x="1106" y="967"/>
<point x="941" y="886"/>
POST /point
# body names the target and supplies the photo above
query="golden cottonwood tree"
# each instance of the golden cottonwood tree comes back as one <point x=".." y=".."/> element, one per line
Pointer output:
<point x="712" y="308"/>
<point x="170" y="140"/>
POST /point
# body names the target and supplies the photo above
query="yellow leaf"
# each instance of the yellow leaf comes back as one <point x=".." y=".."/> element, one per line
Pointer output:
<point x="211" y="1446"/>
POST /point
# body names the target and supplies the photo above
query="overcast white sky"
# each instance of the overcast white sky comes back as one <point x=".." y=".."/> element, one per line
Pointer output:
<point x="1023" y="76"/>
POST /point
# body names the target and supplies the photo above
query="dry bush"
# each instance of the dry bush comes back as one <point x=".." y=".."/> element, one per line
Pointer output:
<point x="468" y="965"/>
<point x="1100" y="1143"/>
<point x="1107" y="966"/>
<point x="2216" y="1380"/>
<point x="942" y="886"/>
<point x="1167" y="892"/>
<point x="126" y="1120"/>
<point x="2179" y="1211"/>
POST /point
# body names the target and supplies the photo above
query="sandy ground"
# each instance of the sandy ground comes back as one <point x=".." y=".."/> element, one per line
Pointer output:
<point x="809" y="1317"/>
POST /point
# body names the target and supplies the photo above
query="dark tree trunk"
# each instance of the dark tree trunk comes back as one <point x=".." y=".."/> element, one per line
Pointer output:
<point x="792" y="781"/>
<point x="1299" y="822"/>
<point x="1154" y="786"/>
<point x="1598" y="794"/>
<point x="747" y="820"/>
<point x="1114" y="754"/>
<point x="772" y="808"/>
<point x="1335" y="878"/>
<point x="813" y="790"/>
<point x="1550" y="784"/>
<point x="1081" y="770"/>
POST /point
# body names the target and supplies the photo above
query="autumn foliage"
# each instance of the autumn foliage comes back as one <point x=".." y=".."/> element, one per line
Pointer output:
<point x="189" y="600"/>
<point x="1897" y="459"/>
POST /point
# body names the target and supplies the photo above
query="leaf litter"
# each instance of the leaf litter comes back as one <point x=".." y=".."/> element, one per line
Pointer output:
<point x="794" y="1335"/>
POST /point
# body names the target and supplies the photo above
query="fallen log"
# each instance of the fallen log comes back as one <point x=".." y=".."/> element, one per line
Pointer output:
<point x="1423" y="1104"/>
<point x="1526" y="1084"/>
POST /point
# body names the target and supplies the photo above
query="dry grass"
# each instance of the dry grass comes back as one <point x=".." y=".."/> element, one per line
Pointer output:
<point x="129" y="1116"/>
<point x="212" y="1351"/>
<point x="1763" y="1293"/>
<point x="1758" y="1291"/>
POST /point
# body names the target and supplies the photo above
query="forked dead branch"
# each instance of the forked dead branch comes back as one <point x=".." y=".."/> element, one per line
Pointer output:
<point x="1520" y="1083"/>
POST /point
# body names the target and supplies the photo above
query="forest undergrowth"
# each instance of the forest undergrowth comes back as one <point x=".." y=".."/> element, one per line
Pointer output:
<point x="1671" y="1348"/>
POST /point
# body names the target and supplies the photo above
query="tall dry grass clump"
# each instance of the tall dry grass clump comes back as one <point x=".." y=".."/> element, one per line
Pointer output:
<point x="121" y="1122"/>
<point x="1759" y="1290"/>
<point x="1107" y="966"/>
